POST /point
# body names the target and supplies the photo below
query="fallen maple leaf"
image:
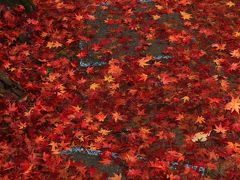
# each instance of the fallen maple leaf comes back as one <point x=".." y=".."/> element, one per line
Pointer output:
<point x="200" y="120"/>
<point x="185" y="16"/>
<point x="200" y="136"/>
<point x="220" y="129"/>
<point x="54" y="146"/>
<point x="115" y="70"/>
<point x="234" y="105"/>
<point x="143" y="61"/>
<point x="185" y="99"/>
<point x="100" y="116"/>
<point x="94" y="86"/>
<point x="230" y="4"/>
<point x="219" y="47"/>
<point x="108" y="78"/>
<point x="235" y="53"/>
<point x="116" y="116"/>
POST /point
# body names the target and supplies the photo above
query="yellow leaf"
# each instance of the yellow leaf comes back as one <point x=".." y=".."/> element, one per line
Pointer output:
<point x="230" y="4"/>
<point x="185" y="16"/>
<point x="159" y="7"/>
<point x="57" y="44"/>
<point x="50" y="45"/>
<point x="54" y="146"/>
<point x="185" y="99"/>
<point x="200" y="136"/>
<point x="108" y="78"/>
<point x="234" y="105"/>
<point x="94" y="86"/>
<point x="236" y="34"/>
<point x="156" y="17"/>
<point x="104" y="132"/>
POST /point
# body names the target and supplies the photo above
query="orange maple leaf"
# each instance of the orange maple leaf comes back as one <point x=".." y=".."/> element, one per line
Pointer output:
<point x="219" y="47"/>
<point x="115" y="70"/>
<point x="235" y="53"/>
<point x="143" y="61"/>
<point x="185" y="16"/>
<point x="54" y="146"/>
<point x="234" y="105"/>
<point x="115" y="177"/>
<point x="94" y="86"/>
<point x="233" y="147"/>
<point x="220" y="129"/>
<point x="200" y="120"/>
<point x="100" y="116"/>
<point x="116" y="116"/>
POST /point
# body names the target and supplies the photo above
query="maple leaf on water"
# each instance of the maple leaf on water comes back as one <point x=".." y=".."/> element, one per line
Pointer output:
<point x="116" y="177"/>
<point x="235" y="53"/>
<point x="234" y="105"/>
